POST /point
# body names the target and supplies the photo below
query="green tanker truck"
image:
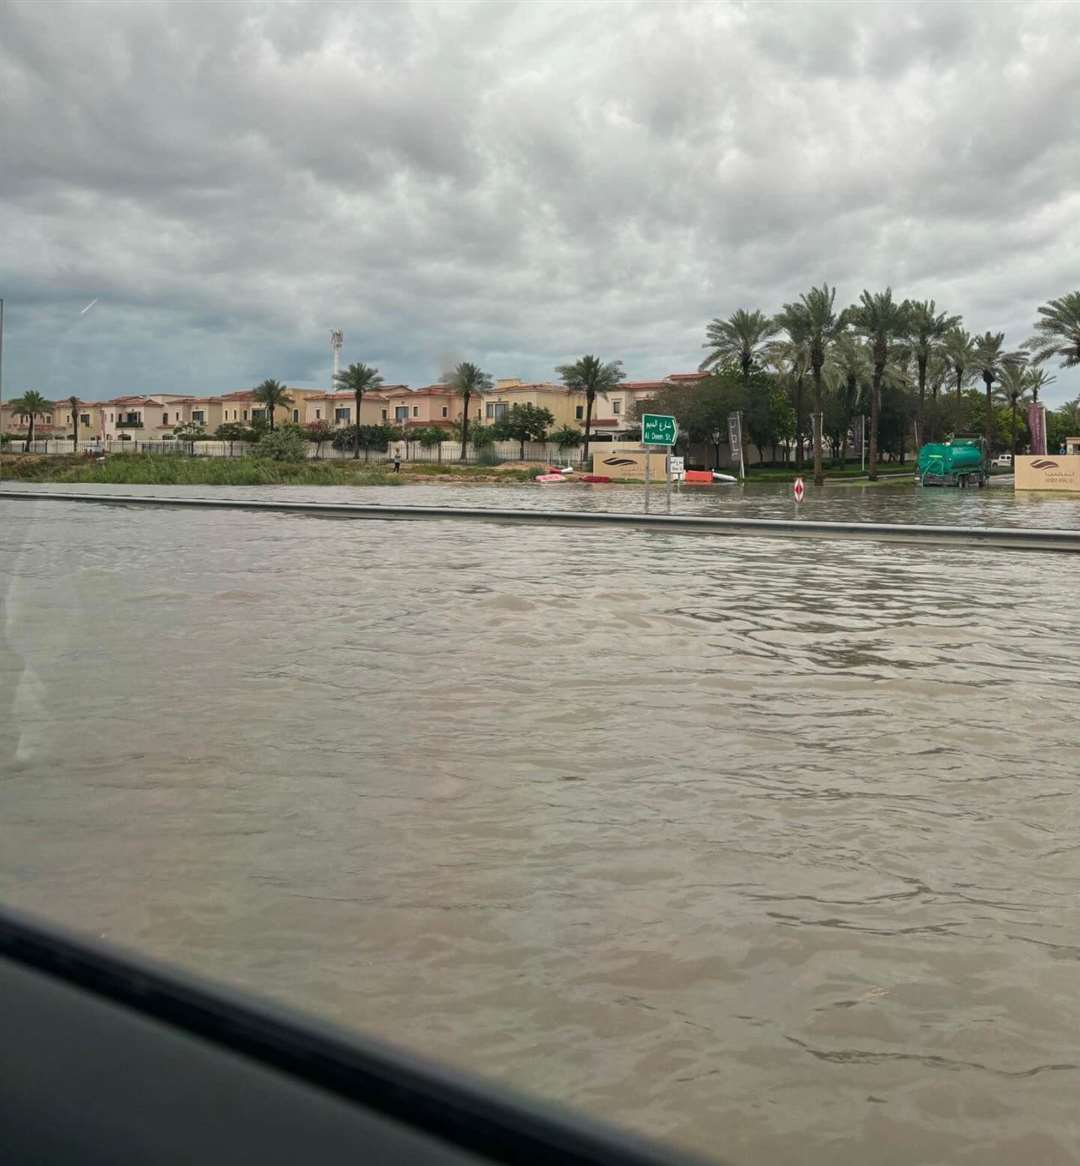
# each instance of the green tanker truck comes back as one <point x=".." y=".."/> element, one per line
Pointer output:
<point x="963" y="461"/>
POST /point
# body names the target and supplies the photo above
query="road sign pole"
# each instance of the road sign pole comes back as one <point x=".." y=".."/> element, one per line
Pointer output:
<point x="862" y="444"/>
<point x="648" y="475"/>
<point x="667" y="466"/>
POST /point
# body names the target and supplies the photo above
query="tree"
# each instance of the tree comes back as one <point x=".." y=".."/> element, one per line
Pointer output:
<point x="791" y="358"/>
<point x="524" y="423"/>
<point x="430" y="437"/>
<point x="189" y="431"/>
<point x="482" y="436"/>
<point x="927" y="329"/>
<point x="848" y="371"/>
<point x="1014" y="387"/>
<point x="593" y="377"/>
<point x="568" y="437"/>
<point x="959" y="350"/>
<point x="1057" y="332"/>
<point x="738" y="340"/>
<point x="358" y="379"/>
<point x="30" y="405"/>
<point x="815" y="321"/>
<point x="286" y="445"/>
<point x="1038" y="379"/>
<point x="879" y="319"/>
<point x="365" y="437"/>
<point x="467" y="380"/>
<point x="73" y="404"/>
<point x="318" y="432"/>
<point x="768" y="415"/>
<point x="232" y="432"/>
<point x="1062" y="422"/>
<point x="991" y="359"/>
<point x="272" y="395"/>
<point x="702" y="410"/>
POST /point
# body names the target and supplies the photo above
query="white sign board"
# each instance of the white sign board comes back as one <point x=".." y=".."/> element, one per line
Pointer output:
<point x="678" y="468"/>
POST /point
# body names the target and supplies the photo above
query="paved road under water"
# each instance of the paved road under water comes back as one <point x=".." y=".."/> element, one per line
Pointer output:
<point x="770" y="848"/>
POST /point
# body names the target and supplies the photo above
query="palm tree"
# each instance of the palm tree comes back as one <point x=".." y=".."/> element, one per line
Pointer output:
<point x="30" y="405"/>
<point x="1057" y="333"/>
<point x="1038" y="379"/>
<point x="73" y="402"/>
<point x="792" y="357"/>
<point x="272" y="394"/>
<point x="990" y="358"/>
<point x="848" y="368"/>
<point x="958" y="347"/>
<point x="358" y="379"/>
<point x="1014" y="388"/>
<point x="928" y="330"/>
<point x="880" y="320"/>
<point x="814" y="316"/>
<point x="466" y="380"/>
<point x="591" y="376"/>
<point x="737" y="340"/>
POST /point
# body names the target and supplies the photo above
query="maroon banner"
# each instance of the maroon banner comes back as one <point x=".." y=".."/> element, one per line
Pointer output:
<point x="1037" y="425"/>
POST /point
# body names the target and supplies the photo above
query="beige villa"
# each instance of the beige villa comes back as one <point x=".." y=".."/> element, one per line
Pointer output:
<point x="56" y="422"/>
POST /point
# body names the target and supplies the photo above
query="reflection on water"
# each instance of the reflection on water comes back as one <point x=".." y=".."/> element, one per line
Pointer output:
<point x="767" y="847"/>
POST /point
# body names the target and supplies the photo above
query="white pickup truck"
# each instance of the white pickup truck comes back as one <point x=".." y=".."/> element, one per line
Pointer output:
<point x="1003" y="461"/>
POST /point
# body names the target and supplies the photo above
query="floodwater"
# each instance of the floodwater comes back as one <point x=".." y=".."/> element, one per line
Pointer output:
<point x="770" y="848"/>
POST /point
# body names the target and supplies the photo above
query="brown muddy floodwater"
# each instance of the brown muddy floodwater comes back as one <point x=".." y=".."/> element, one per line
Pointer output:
<point x="770" y="848"/>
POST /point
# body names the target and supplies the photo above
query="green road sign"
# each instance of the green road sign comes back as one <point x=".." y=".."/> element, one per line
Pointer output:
<point x="657" y="429"/>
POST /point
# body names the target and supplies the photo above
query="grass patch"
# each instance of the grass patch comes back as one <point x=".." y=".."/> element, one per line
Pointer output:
<point x="173" y="470"/>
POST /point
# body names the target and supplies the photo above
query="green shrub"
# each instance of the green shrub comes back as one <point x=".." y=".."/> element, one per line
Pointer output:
<point x="283" y="445"/>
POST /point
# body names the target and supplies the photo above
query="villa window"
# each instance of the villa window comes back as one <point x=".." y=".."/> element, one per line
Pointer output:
<point x="295" y="415"/>
<point x="198" y="416"/>
<point x="384" y="414"/>
<point x="257" y="415"/>
<point x="401" y="413"/>
<point x="84" y="418"/>
<point x="341" y="415"/>
<point x="616" y="407"/>
<point x="579" y="412"/>
<point x="416" y="410"/>
<point x="245" y="414"/>
<point x="445" y="411"/>
<point x="164" y="419"/>
<point x="318" y="414"/>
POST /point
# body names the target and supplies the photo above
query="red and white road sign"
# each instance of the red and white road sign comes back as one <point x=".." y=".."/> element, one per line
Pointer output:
<point x="800" y="489"/>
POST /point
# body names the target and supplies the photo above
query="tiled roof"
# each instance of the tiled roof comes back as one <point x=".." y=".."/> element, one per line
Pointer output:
<point x="426" y="391"/>
<point x="686" y="376"/>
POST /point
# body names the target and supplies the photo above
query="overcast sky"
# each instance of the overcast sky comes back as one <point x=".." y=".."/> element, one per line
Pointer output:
<point x="515" y="184"/>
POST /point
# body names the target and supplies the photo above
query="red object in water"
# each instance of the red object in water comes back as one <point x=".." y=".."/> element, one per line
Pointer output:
<point x="595" y="478"/>
<point x="800" y="489"/>
<point x="701" y="477"/>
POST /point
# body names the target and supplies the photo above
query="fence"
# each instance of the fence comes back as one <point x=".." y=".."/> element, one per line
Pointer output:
<point x="409" y="451"/>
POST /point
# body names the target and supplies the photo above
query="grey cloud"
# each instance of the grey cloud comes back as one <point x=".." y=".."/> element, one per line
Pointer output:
<point x="516" y="183"/>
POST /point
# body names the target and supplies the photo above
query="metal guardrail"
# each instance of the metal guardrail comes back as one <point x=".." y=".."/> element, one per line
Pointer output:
<point x="1020" y="538"/>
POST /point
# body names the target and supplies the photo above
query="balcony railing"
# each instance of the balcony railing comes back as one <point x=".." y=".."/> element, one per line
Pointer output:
<point x="129" y="424"/>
